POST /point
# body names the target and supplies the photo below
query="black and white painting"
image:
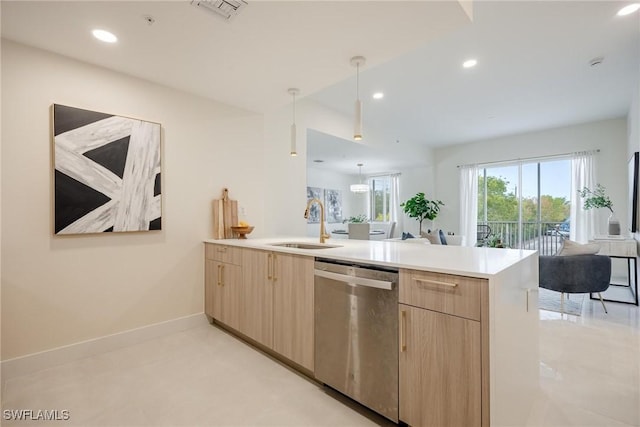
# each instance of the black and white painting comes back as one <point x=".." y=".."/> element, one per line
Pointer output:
<point x="314" y="209"/>
<point x="107" y="172"/>
<point x="333" y="205"/>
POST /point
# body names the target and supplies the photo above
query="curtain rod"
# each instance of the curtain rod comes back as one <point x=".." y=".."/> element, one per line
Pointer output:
<point x="376" y="175"/>
<point x="554" y="156"/>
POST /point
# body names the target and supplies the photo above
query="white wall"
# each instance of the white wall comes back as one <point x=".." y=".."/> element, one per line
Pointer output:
<point x="633" y="128"/>
<point x="287" y="176"/>
<point x="610" y="136"/>
<point x="61" y="290"/>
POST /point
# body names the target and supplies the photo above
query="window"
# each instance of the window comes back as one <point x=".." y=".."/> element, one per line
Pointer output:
<point x="380" y="198"/>
<point x="527" y="204"/>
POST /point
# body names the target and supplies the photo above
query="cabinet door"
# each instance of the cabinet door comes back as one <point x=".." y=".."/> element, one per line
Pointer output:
<point x="212" y="292"/>
<point x="230" y="287"/>
<point x="222" y="292"/>
<point x="440" y="369"/>
<point x="257" y="298"/>
<point x="293" y="308"/>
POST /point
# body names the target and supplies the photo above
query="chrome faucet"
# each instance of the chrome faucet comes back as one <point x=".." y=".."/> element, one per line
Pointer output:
<point x="323" y="235"/>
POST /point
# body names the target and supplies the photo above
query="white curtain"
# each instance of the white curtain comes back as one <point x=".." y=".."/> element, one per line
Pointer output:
<point x="582" y="175"/>
<point x="394" y="202"/>
<point x="469" y="203"/>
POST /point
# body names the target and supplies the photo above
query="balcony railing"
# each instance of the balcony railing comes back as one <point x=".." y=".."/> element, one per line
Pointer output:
<point x="545" y="237"/>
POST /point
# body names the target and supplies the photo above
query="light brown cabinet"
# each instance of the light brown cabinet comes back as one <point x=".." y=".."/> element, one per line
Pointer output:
<point x="441" y="350"/>
<point x="265" y="295"/>
<point x="223" y="284"/>
<point x="278" y="302"/>
<point x="293" y="308"/>
<point x="439" y="369"/>
<point x="257" y="296"/>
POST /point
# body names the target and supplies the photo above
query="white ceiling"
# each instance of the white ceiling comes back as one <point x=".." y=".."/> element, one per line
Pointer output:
<point x="532" y="70"/>
<point x="249" y="61"/>
<point x="533" y="73"/>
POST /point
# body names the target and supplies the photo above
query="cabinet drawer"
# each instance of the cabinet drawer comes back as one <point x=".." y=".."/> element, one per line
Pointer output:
<point x="445" y="293"/>
<point x="223" y="253"/>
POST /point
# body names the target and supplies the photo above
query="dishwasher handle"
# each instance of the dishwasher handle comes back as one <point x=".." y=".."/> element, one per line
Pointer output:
<point x="355" y="281"/>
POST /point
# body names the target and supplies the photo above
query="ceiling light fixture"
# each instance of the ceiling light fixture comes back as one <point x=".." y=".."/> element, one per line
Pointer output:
<point x="357" y="61"/>
<point x="629" y="9"/>
<point x="378" y="95"/>
<point x="293" y="92"/>
<point x="359" y="187"/>
<point x="470" y="63"/>
<point x="104" y="36"/>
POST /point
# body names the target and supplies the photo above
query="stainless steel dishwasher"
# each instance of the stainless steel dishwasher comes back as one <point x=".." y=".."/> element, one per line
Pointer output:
<point x="356" y="333"/>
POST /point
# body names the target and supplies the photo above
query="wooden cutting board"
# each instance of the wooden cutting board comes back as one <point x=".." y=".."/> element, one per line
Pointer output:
<point x="225" y="214"/>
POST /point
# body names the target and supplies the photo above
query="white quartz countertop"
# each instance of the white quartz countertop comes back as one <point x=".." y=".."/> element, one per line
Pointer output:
<point x="460" y="260"/>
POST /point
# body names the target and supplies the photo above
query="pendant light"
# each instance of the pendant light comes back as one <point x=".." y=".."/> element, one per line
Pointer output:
<point x="357" y="61"/>
<point x="359" y="187"/>
<point x="293" y="92"/>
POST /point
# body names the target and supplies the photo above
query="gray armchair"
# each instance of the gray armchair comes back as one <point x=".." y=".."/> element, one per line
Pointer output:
<point x="576" y="274"/>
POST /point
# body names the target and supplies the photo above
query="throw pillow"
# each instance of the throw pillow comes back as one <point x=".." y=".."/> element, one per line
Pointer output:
<point x="569" y="248"/>
<point x="443" y="238"/>
<point x="432" y="236"/>
<point x="406" y="236"/>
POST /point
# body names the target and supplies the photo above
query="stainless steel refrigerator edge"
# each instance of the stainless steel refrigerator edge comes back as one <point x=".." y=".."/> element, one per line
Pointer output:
<point x="356" y="333"/>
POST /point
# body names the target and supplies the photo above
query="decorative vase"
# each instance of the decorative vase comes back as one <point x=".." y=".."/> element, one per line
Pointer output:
<point x="614" y="225"/>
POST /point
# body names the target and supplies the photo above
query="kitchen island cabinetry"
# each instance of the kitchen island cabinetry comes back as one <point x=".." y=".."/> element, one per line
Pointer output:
<point x="271" y="300"/>
<point x="468" y="319"/>
<point x="440" y="350"/>
<point x="293" y="308"/>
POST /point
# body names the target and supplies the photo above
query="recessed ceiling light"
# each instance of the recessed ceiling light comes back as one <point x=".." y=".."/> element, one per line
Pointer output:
<point x="469" y="63"/>
<point x="378" y="95"/>
<point x="104" y="36"/>
<point x="629" y="9"/>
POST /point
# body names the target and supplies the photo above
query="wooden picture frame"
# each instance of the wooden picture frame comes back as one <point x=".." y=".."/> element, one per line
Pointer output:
<point x="106" y="172"/>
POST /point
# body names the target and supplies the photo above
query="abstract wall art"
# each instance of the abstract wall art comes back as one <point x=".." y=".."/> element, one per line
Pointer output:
<point x="106" y="172"/>
<point x="333" y="205"/>
<point x="314" y="209"/>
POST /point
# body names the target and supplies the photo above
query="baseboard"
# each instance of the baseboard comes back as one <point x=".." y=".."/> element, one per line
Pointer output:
<point x="12" y="368"/>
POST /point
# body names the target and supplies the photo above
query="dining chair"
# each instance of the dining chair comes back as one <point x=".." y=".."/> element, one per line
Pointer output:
<point x="359" y="231"/>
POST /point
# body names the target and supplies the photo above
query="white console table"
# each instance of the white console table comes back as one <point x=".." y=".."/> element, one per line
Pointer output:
<point x="625" y="248"/>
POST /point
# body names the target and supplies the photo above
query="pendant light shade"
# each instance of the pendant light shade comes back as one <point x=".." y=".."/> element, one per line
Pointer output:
<point x="357" y="127"/>
<point x="359" y="187"/>
<point x="357" y="61"/>
<point x="293" y="152"/>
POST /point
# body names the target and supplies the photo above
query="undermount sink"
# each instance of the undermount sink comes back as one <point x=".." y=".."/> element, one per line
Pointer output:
<point x="302" y="245"/>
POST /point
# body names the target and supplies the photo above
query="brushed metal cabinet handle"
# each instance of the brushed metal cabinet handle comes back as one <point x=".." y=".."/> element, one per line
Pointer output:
<point x="219" y="275"/>
<point x="403" y="331"/>
<point x="436" y="282"/>
<point x="269" y="266"/>
<point x="274" y="268"/>
<point x="222" y="274"/>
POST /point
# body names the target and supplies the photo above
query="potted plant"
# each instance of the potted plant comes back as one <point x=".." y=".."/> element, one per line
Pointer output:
<point x="358" y="219"/>
<point x="421" y="208"/>
<point x="598" y="199"/>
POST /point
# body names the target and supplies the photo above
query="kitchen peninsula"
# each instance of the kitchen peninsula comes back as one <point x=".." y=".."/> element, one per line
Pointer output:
<point x="467" y="318"/>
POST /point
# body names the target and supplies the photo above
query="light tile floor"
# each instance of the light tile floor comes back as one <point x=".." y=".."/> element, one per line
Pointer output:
<point x="590" y="376"/>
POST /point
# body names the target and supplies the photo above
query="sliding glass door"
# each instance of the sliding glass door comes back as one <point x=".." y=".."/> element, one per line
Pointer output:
<point x="526" y="204"/>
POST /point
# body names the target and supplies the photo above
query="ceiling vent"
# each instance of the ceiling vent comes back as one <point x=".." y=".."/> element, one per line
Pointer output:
<point x="226" y="9"/>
